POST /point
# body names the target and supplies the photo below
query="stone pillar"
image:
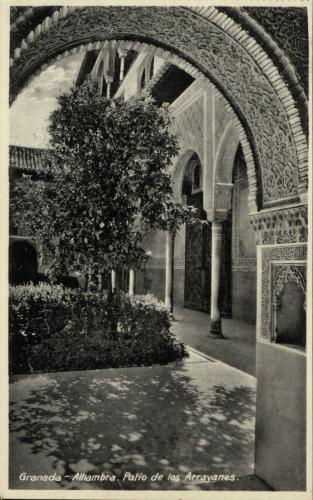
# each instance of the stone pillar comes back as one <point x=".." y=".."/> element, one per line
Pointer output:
<point x="169" y="271"/>
<point x="113" y="280"/>
<point x="131" y="289"/>
<point x="216" y="327"/>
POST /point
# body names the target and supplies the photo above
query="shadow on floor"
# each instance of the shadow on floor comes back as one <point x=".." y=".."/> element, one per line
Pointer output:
<point x="145" y="420"/>
<point x="237" y="348"/>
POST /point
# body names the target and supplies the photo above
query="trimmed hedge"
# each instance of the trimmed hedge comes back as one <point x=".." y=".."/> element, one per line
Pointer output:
<point x="54" y="328"/>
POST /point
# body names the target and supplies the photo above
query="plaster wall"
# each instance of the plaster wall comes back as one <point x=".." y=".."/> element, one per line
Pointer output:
<point x="244" y="295"/>
<point x="280" y="418"/>
<point x="151" y="279"/>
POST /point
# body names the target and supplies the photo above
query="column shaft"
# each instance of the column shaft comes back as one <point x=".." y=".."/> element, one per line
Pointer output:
<point x="108" y="81"/>
<point x="108" y="90"/>
<point x="113" y="280"/>
<point x="122" y="68"/>
<point x="131" y="289"/>
<point x="216" y="328"/>
<point x="169" y="272"/>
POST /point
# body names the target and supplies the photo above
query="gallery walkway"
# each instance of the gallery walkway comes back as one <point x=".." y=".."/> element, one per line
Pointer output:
<point x="193" y="417"/>
<point x="236" y="349"/>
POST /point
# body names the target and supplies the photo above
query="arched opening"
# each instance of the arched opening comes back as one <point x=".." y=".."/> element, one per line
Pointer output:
<point x="143" y="79"/>
<point x="192" y="181"/>
<point x="192" y="243"/>
<point x="197" y="283"/>
<point x="254" y="88"/>
<point x="100" y="79"/>
<point x="290" y="315"/>
<point x="23" y="265"/>
<point x="151" y="68"/>
<point x="243" y="246"/>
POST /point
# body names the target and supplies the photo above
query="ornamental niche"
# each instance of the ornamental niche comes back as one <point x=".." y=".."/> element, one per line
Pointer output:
<point x="284" y="275"/>
<point x="273" y="258"/>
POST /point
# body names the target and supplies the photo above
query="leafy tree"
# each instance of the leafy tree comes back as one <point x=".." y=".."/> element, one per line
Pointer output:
<point x="109" y="165"/>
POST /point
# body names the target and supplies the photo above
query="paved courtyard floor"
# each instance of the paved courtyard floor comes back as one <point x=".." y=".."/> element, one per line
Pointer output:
<point x="236" y="349"/>
<point x="188" y="418"/>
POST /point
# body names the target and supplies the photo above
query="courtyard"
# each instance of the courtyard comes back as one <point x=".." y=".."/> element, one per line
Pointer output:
<point x="141" y="428"/>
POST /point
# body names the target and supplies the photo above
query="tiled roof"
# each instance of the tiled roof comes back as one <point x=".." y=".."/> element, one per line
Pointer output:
<point x="27" y="158"/>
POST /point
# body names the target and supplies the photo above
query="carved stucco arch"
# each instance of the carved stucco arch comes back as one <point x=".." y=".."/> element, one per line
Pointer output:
<point x="289" y="274"/>
<point x="216" y="46"/>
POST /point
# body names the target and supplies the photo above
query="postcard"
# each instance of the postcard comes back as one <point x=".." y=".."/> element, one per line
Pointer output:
<point x="156" y="273"/>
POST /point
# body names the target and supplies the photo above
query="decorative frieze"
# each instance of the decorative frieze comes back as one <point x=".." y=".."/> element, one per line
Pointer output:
<point x="289" y="225"/>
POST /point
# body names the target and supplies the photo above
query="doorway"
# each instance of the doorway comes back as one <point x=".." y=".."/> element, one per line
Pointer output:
<point x="197" y="290"/>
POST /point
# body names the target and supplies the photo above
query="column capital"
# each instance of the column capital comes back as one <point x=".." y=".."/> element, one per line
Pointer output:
<point x="217" y="227"/>
<point x="109" y="79"/>
<point x="122" y="52"/>
<point x="221" y="203"/>
<point x="219" y="216"/>
<point x="170" y="235"/>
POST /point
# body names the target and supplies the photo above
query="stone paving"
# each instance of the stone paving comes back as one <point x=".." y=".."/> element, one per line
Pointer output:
<point x="194" y="417"/>
<point x="236" y="349"/>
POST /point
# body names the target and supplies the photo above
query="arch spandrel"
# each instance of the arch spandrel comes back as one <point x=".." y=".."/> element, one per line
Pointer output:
<point x="225" y="155"/>
<point x="208" y="47"/>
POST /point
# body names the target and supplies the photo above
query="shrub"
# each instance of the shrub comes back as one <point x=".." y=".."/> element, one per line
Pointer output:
<point x="55" y="328"/>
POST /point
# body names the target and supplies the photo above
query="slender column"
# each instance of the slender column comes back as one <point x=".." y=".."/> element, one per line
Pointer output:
<point x="216" y="328"/>
<point x="89" y="278"/>
<point x="109" y="80"/>
<point x="100" y="281"/>
<point x="113" y="280"/>
<point x="100" y="85"/>
<point x="131" y="289"/>
<point x="122" y="53"/>
<point x="169" y="271"/>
